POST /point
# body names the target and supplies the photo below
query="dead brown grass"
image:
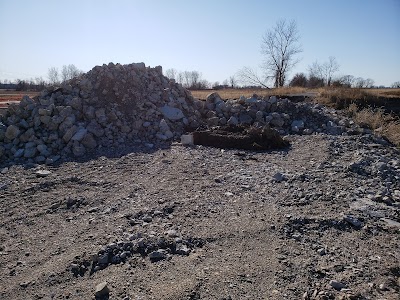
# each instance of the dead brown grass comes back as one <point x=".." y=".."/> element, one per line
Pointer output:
<point x="386" y="125"/>
<point x="343" y="97"/>
<point x="330" y="95"/>
<point x="236" y="93"/>
<point x="388" y="93"/>
<point x="367" y="108"/>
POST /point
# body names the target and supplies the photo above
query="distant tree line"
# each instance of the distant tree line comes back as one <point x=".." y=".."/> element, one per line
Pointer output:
<point x="396" y="84"/>
<point x="188" y="79"/>
<point x="193" y="80"/>
<point x="313" y="81"/>
<point x="37" y="84"/>
<point x="67" y="72"/>
<point x="319" y="75"/>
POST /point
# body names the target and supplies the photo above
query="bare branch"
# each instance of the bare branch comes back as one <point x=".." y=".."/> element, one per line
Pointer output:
<point x="248" y="76"/>
<point x="171" y="73"/>
<point x="53" y="76"/>
<point x="232" y="81"/>
<point x="324" y="71"/>
<point x="280" y="46"/>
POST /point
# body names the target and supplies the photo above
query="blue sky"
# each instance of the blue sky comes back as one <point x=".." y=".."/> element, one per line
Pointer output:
<point x="216" y="38"/>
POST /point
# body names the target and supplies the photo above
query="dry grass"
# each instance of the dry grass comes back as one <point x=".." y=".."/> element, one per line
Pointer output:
<point x="386" y="125"/>
<point x="343" y="97"/>
<point x="360" y="103"/>
<point x="346" y="96"/>
<point x="328" y="94"/>
<point x="236" y="93"/>
<point x="388" y="93"/>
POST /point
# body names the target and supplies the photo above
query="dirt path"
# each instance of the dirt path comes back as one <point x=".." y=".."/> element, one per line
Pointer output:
<point x="250" y="236"/>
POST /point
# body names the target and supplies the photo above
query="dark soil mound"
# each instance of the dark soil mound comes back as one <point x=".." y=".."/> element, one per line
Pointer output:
<point x="241" y="137"/>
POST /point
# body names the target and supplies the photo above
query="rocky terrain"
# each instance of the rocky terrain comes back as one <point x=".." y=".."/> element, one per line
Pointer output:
<point x="100" y="200"/>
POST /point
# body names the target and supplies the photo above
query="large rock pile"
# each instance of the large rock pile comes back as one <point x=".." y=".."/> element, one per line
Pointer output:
<point x="114" y="104"/>
<point x="109" y="105"/>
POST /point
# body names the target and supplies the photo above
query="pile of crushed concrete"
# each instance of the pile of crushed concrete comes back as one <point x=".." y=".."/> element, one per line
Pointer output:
<point x="117" y="104"/>
<point x="110" y="105"/>
<point x="283" y="115"/>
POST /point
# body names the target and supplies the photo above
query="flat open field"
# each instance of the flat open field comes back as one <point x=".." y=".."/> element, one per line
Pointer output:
<point x="236" y="93"/>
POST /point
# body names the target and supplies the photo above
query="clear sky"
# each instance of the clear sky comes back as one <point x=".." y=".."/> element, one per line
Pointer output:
<point x="215" y="37"/>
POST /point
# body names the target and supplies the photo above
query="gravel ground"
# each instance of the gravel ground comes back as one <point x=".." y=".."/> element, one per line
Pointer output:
<point x="319" y="220"/>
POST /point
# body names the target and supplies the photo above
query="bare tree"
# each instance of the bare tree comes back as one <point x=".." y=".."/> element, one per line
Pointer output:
<point x="64" y="73"/>
<point x="369" y="83"/>
<point x="187" y="78"/>
<point x="195" y="79"/>
<point x="73" y="71"/>
<point x="315" y="70"/>
<point x="232" y="81"/>
<point x="69" y="72"/>
<point x="203" y="84"/>
<point x="280" y="45"/>
<point x="324" y="71"/>
<point x="347" y="80"/>
<point x="359" y="82"/>
<point x="329" y="69"/>
<point x="396" y="84"/>
<point x="52" y="74"/>
<point x="248" y="76"/>
<point x="170" y="73"/>
<point x="40" y="83"/>
<point x="191" y="79"/>
<point x="179" y="78"/>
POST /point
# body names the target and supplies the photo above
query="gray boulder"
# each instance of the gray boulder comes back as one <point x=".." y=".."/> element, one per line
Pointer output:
<point x="78" y="136"/>
<point x="233" y="121"/>
<point x="30" y="152"/>
<point x="172" y="113"/>
<point x="70" y="133"/>
<point x="76" y="103"/>
<point x="95" y="128"/>
<point x="101" y="290"/>
<point x="244" y="118"/>
<point x="12" y="132"/>
<point x="297" y="125"/>
<point x="19" y="153"/>
<point x="163" y="126"/>
<point x="277" y="120"/>
<point x="27" y="135"/>
<point x="44" y="151"/>
<point x="88" y="141"/>
<point x="78" y="149"/>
